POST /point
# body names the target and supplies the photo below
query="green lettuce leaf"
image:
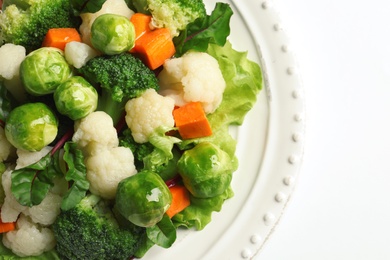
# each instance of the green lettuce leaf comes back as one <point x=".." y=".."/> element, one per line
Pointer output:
<point x="213" y="28"/>
<point x="199" y="213"/>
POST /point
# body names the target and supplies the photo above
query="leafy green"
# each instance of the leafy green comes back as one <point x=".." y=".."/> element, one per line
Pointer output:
<point x="76" y="176"/>
<point x="199" y="213"/>
<point x="163" y="233"/>
<point x="86" y="6"/>
<point x="213" y="28"/>
<point x="31" y="184"/>
<point x="5" y="103"/>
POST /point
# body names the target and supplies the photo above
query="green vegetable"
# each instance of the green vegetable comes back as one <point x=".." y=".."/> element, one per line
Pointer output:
<point x="172" y="14"/>
<point x="2" y="194"/>
<point x="91" y="231"/>
<point x="200" y="33"/>
<point x="143" y="198"/>
<point x="6" y="103"/>
<point x="112" y="34"/>
<point x="158" y="155"/>
<point x="200" y="211"/>
<point x="119" y="77"/>
<point x="43" y="70"/>
<point x="31" y="126"/>
<point x="75" y="98"/>
<point x="26" y="22"/>
<point x="206" y="170"/>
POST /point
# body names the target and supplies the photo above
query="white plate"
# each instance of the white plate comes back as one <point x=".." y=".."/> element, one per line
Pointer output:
<point x="270" y="146"/>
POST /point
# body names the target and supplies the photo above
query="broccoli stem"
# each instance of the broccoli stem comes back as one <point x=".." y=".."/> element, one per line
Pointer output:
<point x="113" y="108"/>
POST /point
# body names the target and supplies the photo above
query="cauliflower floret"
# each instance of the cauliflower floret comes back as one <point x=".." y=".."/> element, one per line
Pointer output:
<point x="11" y="57"/>
<point x="47" y="211"/>
<point x="195" y="76"/>
<point x="29" y="239"/>
<point x="11" y="207"/>
<point x="107" y="168"/>
<point x="94" y="132"/>
<point x="110" y="6"/>
<point x="26" y="158"/>
<point x="6" y="149"/>
<point x="147" y="112"/>
<point x="79" y="53"/>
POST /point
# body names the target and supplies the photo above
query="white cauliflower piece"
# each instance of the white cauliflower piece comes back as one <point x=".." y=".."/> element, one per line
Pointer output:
<point x="29" y="239"/>
<point x="47" y="211"/>
<point x="79" y="53"/>
<point x="109" y="7"/>
<point x="26" y="158"/>
<point x="94" y="132"/>
<point x="195" y="76"/>
<point x="6" y="149"/>
<point x="11" y="208"/>
<point x="107" y="168"/>
<point x="147" y="112"/>
<point x="11" y="57"/>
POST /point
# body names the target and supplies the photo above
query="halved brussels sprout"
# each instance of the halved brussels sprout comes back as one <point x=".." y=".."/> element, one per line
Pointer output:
<point x="31" y="126"/>
<point x="43" y="70"/>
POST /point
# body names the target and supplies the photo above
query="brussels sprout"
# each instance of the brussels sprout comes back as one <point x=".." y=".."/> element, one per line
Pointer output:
<point x="31" y="126"/>
<point x="143" y="198"/>
<point x="112" y="34"/>
<point x="43" y="70"/>
<point x="75" y="98"/>
<point x="206" y="170"/>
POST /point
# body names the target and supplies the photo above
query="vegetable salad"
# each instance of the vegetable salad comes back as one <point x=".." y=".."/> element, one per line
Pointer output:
<point x="114" y="124"/>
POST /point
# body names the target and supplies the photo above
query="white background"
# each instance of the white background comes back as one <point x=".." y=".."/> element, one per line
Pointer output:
<point x="341" y="205"/>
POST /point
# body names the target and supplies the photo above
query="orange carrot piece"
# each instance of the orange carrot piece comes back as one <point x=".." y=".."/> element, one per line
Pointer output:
<point x="191" y="121"/>
<point x="154" y="47"/>
<point x="59" y="37"/>
<point x="7" y="226"/>
<point x="180" y="200"/>
<point x="141" y="23"/>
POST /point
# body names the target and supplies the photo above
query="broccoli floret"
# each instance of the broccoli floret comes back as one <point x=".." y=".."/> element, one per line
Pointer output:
<point x="119" y="77"/>
<point x="140" y="151"/>
<point x="172" y="14"/>
<point x="26" y="22"/>
<point x="90" y="231"/>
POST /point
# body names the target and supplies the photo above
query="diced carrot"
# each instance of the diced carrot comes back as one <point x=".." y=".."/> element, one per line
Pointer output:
<point x="59" y="37"/>
<point x="154" y="47"/>
<point x="141" y="23"/>
<point x="191" y="121"/>
<point x="7" y="226"/>
<point x="180" y="200"/>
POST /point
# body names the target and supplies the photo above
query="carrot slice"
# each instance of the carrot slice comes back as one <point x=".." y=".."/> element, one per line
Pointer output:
<point x="191" y="121"/>
<point x="7" y="226"/>
<point x="180" y="200"/>
<point x="141" y="23"/>
<point x="154" y="47"/>
<point x="59" y="37"/>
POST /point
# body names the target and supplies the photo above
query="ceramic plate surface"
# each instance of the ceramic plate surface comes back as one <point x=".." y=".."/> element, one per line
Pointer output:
<point x="270" y="145"/>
